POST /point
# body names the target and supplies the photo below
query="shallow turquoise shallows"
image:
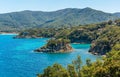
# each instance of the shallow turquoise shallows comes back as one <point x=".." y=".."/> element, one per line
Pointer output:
<point x="17" y="58"/>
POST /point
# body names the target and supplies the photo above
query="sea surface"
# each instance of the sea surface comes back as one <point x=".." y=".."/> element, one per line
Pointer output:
<point x="17" y="58"/>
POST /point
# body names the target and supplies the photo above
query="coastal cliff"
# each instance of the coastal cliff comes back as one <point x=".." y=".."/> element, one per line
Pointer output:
<point x="105" y="43"/>
<point x="101" y="36"/>
<point x="56" y="46"/>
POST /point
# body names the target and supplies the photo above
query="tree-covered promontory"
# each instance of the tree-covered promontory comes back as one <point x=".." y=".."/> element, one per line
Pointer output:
<point x="102" y="36"/>
<point x="104" y="43"/>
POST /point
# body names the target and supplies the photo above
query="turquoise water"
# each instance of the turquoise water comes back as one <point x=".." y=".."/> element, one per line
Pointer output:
<point x="17" y="58"/>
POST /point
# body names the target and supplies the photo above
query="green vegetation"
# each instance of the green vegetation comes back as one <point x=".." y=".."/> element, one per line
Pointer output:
<point x="117" y="22"/>
<point x="37" y="33"/>
<point x="104" y="43"/>
<point x="108" y="67"/>
<point x="62" y="27"/>
<point x="102" y="36"/>
<point x="56" y="45"/>
<point x="57" y="19"/>
<point x="54" y="71"/>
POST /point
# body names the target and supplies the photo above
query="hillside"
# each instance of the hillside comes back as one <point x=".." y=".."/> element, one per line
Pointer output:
<point x="105" y="42"/>
<point x="61" y="18"/>
<point x="102" y="36"/>
<point x="117" y="14"/>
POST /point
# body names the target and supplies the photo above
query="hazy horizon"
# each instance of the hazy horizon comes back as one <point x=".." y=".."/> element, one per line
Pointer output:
<point x="7" y="6"/>
<point x="57" y="10"/>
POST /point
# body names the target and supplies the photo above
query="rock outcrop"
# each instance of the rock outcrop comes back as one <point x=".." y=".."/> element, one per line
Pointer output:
<point x="56" y="46"/>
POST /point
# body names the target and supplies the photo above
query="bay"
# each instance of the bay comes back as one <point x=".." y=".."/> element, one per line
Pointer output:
<point x="17" y="58"/>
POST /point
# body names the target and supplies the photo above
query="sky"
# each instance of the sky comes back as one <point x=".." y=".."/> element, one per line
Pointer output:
<point x="6" y="6"/>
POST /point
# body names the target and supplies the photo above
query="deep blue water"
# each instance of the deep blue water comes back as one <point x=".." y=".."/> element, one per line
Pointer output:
<point x="17" y="58"/>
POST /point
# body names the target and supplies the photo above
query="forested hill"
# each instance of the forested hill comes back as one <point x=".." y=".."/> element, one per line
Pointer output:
<point x="117" y="14"/>
<point x="61" y="18"/>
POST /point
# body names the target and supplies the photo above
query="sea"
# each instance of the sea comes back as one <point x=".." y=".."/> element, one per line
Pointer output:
<point x="18" y="59"/>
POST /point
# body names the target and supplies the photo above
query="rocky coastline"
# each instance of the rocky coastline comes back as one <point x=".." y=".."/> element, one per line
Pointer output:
<point x="26" y="37"/>
<point x="56" y="46"/>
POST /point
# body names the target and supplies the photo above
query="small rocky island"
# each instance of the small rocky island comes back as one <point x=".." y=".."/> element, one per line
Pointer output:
<point x="56" y="46"/>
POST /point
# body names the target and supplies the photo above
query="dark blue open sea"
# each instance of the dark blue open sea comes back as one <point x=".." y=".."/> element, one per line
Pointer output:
<point x="17" y="58"/>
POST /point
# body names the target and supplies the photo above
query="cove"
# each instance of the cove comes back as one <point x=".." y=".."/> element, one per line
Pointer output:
<point x="17" y="58"/>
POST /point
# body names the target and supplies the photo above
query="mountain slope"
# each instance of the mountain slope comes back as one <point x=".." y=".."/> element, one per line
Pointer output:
<point x="117" y="14"/>
<point x="65" y="17"/>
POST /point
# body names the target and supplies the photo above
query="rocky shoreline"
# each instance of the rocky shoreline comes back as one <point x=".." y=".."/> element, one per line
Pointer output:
<point x="46" y="50"/>
<point x="56" y="46"/>
<point x="26" y="37"/>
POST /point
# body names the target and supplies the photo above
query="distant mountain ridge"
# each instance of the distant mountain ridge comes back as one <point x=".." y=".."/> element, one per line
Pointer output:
<point x="117" y="14"/>
<point x="61" y="18"/>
